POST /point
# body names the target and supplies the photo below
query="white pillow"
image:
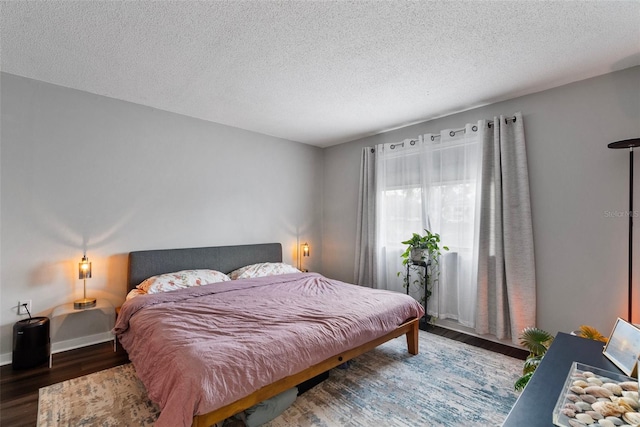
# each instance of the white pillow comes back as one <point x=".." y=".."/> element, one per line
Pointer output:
<point x="262" y="269"/>
<point x="180" y="280"/>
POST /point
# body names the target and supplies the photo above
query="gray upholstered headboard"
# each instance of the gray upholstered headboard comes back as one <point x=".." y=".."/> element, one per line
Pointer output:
<point x="144" y="264"/>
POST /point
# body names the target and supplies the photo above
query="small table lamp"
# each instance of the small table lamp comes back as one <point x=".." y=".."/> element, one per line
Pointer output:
<point x="305" y="249"/>
<point x="84" y="272"/>
<point x="305" y="252"/>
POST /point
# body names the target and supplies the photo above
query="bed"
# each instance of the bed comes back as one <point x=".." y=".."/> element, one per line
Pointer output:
<point x="205" y="353"/>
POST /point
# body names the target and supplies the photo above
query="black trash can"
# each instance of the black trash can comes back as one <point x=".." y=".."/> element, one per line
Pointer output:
<point x="31" y="343"/>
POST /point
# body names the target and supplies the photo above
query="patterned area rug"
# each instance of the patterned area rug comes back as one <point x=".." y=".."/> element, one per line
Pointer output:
<point x="448" y="384"/>
<point x="113" y="397"/>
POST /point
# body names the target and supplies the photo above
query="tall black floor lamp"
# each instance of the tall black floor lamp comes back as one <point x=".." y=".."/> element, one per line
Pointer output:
<point x="630" y="144"/>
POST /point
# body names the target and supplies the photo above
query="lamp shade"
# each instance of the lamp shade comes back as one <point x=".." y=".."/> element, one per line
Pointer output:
<point x="305" y="250"/>
<point x="84" y="273"/>
<point x="84" y="268"/>
<point x="625" y="143"/>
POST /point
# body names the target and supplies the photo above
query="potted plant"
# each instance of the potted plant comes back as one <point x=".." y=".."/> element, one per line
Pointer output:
<point x="537" y="341"/>
<point x="423" y="249"/>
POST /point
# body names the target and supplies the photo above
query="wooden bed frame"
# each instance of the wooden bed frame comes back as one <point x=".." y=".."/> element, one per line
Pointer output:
<point x="144" y="264"/>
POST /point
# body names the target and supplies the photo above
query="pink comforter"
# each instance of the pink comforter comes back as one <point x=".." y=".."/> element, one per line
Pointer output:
<point x="201" y="348"/>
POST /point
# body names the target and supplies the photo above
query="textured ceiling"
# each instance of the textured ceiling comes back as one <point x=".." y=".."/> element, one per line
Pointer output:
<point x="317" y="72"/>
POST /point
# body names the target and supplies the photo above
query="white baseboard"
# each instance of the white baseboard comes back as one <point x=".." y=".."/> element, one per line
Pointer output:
<point x="58" y="347"/>
<point x="5" y="359"/>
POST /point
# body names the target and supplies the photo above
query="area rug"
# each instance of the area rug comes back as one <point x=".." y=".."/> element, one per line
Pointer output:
<point x="448" y="384"/>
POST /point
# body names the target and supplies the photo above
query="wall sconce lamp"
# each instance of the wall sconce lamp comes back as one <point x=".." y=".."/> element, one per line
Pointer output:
<point x="84" y="273"/>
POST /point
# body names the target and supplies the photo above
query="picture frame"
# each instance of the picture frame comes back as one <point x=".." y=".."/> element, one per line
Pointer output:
<point x="623" y="347"/>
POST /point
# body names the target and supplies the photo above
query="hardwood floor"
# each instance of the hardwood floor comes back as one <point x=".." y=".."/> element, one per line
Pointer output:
<point x="518" y="353"/>
<point x="19" y="389"/>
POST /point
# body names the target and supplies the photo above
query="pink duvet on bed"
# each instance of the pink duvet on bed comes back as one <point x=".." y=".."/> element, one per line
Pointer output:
<point x="201" y="348"/>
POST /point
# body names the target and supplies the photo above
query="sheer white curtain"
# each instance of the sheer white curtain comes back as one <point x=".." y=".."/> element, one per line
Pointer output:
<point x="453" y="162"/>
<point x="431" y="183"/>
<point x="399" y="207"/>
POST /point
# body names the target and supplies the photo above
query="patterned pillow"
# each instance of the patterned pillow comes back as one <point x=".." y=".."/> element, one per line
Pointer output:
<point x="262" y="269"/>
<point x="181" y="279"/>
<point x="134" y="293"/>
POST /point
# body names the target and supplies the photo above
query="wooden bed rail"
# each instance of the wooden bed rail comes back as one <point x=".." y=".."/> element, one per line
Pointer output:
<point x="410" y="328"/>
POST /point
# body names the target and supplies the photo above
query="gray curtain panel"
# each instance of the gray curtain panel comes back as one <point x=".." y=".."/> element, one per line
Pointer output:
<point x="506" y="265"/>
<point x="366" y="263"/>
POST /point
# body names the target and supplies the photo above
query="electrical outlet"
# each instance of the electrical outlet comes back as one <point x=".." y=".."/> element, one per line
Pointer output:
<point x="21" y="309"/>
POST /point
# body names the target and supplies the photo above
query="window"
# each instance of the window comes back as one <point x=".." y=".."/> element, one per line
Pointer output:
<point x="432" y="184"/>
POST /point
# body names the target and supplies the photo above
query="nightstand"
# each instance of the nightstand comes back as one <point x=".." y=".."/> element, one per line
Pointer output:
<point x="103" y="312"/>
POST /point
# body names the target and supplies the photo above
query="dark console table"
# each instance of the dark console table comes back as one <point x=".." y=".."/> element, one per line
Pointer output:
<point x="535" y="405"/>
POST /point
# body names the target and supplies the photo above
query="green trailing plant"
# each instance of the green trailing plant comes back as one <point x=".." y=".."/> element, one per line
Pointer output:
<point x="429" y="248"/>
<point x="429" y="243"/>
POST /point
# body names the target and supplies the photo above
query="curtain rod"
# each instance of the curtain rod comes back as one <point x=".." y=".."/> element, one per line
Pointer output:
<point x="451" y="133"/>
<point x="506" y="121"/>
<point x="401" y="144"/>
<point x="475" y="128"/>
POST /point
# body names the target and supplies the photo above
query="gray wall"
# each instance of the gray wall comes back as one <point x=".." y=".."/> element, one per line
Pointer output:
<point x="577" y="187"/>
<point x="81" y="171"/>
